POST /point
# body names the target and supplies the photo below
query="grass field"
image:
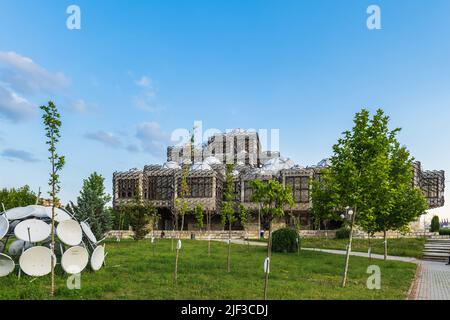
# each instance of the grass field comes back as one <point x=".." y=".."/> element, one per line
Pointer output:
<point x="403" y="247"/>
<point x="133" y="272"/>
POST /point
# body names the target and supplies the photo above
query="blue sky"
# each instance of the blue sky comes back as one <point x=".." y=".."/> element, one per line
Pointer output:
<point x="138" y="70"/>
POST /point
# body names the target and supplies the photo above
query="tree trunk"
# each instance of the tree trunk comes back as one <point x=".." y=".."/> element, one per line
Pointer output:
<point x="349" y="249"/>
<point x="52" y="292"/>
<point x="175" y="276"/>
<point x="229" y="248"/>
<point x="269" y="254"/>
<point x="370" y="247"/>
<point x="259" y="222"/>
<point x="385" y="244"/>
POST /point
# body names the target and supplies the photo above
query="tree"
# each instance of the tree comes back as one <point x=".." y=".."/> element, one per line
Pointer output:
<point x="181" y="208"/>
<point x="140" y="215"/>
<point x="324" y="200"/>
<point x="91" y="205"/>
<point x="273" y="197"/>
<point x="227" y="209"/>
<point x="198" y="213"/>
<point x="52" y="125"/>
<point x="243" y="218"/>
<point x="371" y="174"/>
<point x="435" y="226"/>
<point x="20" y="197"/>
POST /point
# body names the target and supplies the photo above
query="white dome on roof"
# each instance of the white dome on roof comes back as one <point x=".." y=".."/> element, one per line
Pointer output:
<point x="324" y="163"/>
<point x="279" y="163"/>
<point x="200" y="166"/>
<point x="212" y="160"/>
<point x="171" y="165"/>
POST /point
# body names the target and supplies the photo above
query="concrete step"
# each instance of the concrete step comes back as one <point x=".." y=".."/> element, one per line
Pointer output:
<point x="437" y="259"/>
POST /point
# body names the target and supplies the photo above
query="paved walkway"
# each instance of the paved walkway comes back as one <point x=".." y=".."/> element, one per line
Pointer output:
<point x="432" y="280"/>
<point x="342" y="252"/>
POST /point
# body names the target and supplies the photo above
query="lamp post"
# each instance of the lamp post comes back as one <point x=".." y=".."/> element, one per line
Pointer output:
<point x="351" y="216"/>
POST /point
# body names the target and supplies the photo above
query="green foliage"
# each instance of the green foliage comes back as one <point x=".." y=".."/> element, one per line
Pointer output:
<point x="285" y="240"/>
<point x="324" y="199"/>
<point x="52" y="124"/>
<point x="20" y="197"/>
<point x="141" y="215"/>
<point x="343" y="233"/>
<point x="198" y="213"/>
<point x="444" y="232"/>
<point x="435" y="226"/>
<point x="371" y="173"/>
<point x="181" y="203"/>
<point x="227" y="207"/>
<point x="120" y="220"/>
<point x="272" y="196"/>
<point x="243" y="215"/>
<point x="91" y="204"/>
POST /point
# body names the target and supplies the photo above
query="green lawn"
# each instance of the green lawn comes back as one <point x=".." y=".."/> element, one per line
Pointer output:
<point x="133" y="272"/>
<point x="404" y="247"/>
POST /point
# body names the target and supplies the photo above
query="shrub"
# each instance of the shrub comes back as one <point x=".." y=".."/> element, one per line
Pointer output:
<point x="285" y="240"/>
<point x="435" y="224"/>
<point x="444" y="232"/>
<point x="343" y="233"/>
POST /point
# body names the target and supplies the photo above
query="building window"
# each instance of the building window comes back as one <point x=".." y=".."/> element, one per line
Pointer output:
<point x="248" y="191"/>
<point x="160" y="187"/>
<point x="127" y="188"/>
<point x="299" y="187"/>
<point x="200" y="187"/>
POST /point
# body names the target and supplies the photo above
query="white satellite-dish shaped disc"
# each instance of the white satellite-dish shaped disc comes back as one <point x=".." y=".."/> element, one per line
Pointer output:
<point x="74" y="260"/>
<point x="36" y="261"/>
<point x="97" y="258"/>
<point x="18" y="213"/>
<point x="16" y="248"/>
<point x="69" y="232"/>
<point x="32" y="230"/>
<point x="88" y="232"/>
<point x="4" y="226"/>
<point x="6" y="265"/>
<point x="60" y="215"/>
<point x="38" y="211"/>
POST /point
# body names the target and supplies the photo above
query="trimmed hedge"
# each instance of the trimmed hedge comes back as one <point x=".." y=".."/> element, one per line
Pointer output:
<point x="444" y="232"/>
<point x="285" y="240"/>
<point x="343" y="233"/>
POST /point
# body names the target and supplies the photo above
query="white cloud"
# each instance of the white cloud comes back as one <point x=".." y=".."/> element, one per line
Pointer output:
<point x="15" y="107"/>
<point x="79" y="106"/>
<point x="13" y="154"/>
<point x="106" y="138"/>
<point x="146" y="99"/>
<point x="23" y="75"/>
<point x="153" y="139"/>
<point x="145" y="82"/>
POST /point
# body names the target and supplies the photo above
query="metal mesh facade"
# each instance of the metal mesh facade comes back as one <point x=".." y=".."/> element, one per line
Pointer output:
<point x="159" y="184"/>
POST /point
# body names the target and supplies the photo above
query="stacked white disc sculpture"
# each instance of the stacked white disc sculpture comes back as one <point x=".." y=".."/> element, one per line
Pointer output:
<point x="29" y="230"/>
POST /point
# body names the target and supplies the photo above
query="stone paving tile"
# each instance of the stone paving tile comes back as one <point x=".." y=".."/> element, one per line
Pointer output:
<point x="433" y="281"/>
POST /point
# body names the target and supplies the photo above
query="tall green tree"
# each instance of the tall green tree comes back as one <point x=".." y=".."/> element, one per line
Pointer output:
<point x="141" y="214"/>
<point x="91" y="205"/>
<point x="273" y="197"/>
<point x="181" y="208"/>
<point x="198" y="214"/>
<point x="20" y="197"/>
<point x="371" y="174"/>
<point x="52" y="125"/>
<point x="324" y="200"/>
<point x="228" y="208"/>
